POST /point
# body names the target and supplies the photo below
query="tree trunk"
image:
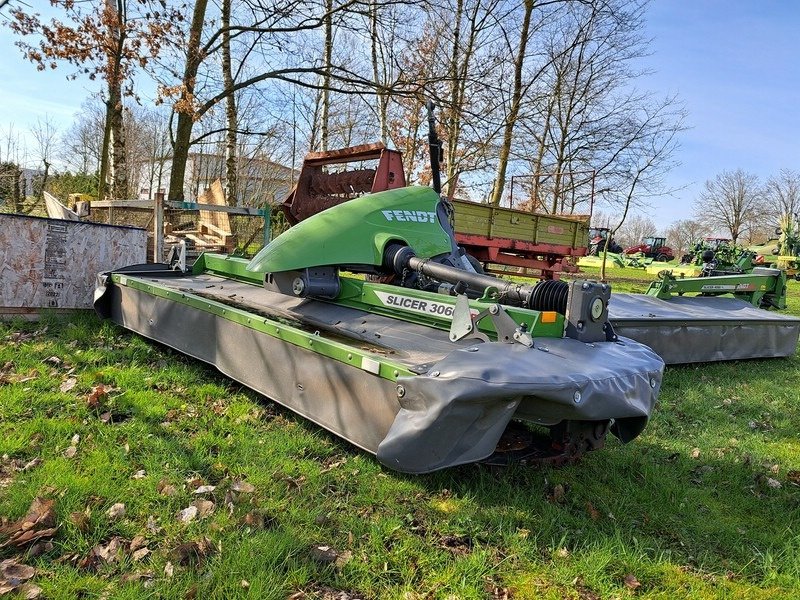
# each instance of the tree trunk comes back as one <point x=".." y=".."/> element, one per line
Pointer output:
<point x="231" y="117"/>
<point x="380" y="94"/>
<point x="516" y="98"/>
<point x="45" y="176"/>
<point x="17" y="191"/>
<point x="105" y="155"/>
<point x="118" y="163"/>
<point x="183" y="129"/>
<point x="326" y="82"/>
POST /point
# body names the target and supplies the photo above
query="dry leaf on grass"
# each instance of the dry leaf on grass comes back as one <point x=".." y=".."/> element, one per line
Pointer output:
<point x="137" y="542"/>
<point x="204" y="507"/>
<point x="80" y="519"/>
<point x="258" y="520"/>
<point x="594" y="514"/>
<point x="243" y="487"/>
<point x="140" y="554"/>
<point x="165" y="488"/>
<point x="30" y="591"/>
<point x="205" y="489"/>
<point x="188" y="514"/>
<point x="327" y="555"/>
<point x="70" y="452"/>
<point x="631" y="582"/>
<point x="140" y="474"/>
<point x="38" y="524"/>
<point x="116" y="511"/>
<point x="193" y="552"/>
<point x="97" y="395"/>
<point x="67" y="385"/>
<point x="13" y="575"/>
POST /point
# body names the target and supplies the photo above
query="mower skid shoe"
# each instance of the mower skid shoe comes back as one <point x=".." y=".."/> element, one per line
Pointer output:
<point x="457" y="412"/>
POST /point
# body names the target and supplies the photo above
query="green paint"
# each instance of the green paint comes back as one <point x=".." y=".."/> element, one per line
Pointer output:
<point x="356" y="232"/>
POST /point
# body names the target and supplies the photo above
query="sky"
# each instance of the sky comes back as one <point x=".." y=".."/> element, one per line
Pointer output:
<point x="734" y="63"/>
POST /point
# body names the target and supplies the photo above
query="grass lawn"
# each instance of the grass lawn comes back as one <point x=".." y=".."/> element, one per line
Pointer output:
<point x="158" y="477"/>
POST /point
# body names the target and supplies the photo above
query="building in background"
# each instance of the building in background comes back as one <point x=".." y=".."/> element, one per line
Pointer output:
<point x="261" y="181"/>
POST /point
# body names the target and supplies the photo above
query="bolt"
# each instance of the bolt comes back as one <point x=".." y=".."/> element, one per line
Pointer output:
<point x="473" y="349"/>
<point x="653" y="383"/>
<point x="494" y="309"/>
<point x="585" y="285"/>
<point x="577" y="397"/>
<point x="435" y="374"/>
<point x="401" y="391"/>
<point x="298" y="285"/>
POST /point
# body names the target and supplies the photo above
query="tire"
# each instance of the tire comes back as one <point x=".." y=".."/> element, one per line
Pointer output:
<point x="662" y="258"/>
<point x="476" y="264"/>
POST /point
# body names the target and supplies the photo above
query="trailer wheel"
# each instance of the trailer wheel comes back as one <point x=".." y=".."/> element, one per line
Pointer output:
<point x="476" y="264"/>
<point x="662" y="258"/>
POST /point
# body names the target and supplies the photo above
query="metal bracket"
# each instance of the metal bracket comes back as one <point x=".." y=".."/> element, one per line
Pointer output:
<point x="176" y="259"/>
<point x="465" y="324"/>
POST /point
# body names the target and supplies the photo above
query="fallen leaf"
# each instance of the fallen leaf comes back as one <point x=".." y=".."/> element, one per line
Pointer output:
<point x="68" y="384"/>
<point x="140" y="554"/>
<point x="76" y="439"/>
<point x="97" y="395"/>
<point x="105" y="418"/>
<point x="31" y="464"/>
<point x="194" y="482"/>
<point x="165" y="488"/>
<point x="30" y="591"/>
<point x="244" y="583"/>
<point x="193" y="552"/>
<point x="37" y="524"/>
<point x="116" y="511"/>
<point x="38" y="549"/>
<point x="773" y="483"/>
<point x="205" y="489"/>
<point x="324" y="554"/>
<point x="187" y="514"/>
<point x="152" y="525"/>
<point x="137" y="542"/>
<point x="562" y="552"/>
<point x="793" y="477"/>
<point x="593" y="512"/>
<point x="15" y="573"/>
<point x="257" y="520"/>
<point x="631" y="582"/>
<point x="695" y="453"/>
<point x="138" y="576"/>
<point x="169" y="570"/>
<point x="70" y="452"/>
<point x="559" y="493"/>
<point x="243" y="486"/>
<point x="140" y="474"/>
<point x="80" y="520"/>
<point x="204" y="507"/>
<point x="53" y="360"/>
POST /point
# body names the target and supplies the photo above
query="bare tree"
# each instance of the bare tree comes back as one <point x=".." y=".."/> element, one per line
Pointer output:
<point x="684" y="233"/>
<point x="782" y="197"/>
<point x="732" y="201"/>
<point x="45" y="134"/>
<point x="635" y="229"/>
